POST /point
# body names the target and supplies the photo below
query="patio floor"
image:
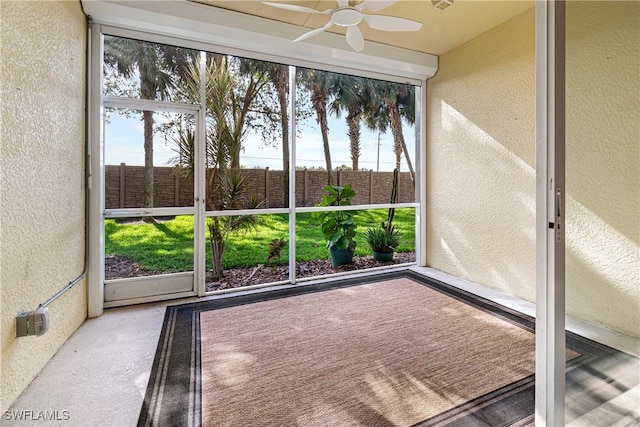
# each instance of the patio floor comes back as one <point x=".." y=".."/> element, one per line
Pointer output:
<point x="100" y="375"/>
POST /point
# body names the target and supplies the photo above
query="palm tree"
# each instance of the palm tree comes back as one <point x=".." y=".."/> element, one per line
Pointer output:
<point x="229" y="99"/>
<point x="229" y="103"/>
<point x="406" y="103"/>
<point x="319" y="84"/>
<point x="392" y="102"/>
<point x="279" y="76"/>
<point x="350" y="95"/>
<point x="158" y="66"/>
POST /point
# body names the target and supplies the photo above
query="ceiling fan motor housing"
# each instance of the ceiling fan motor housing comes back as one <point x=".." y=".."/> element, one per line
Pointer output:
<point x="346" y="16"/>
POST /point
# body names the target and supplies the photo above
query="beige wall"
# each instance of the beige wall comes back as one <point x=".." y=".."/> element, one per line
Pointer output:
<point x="603" y="163"/>
<point x="42" y="195"/>
<point x="481" y="159"/>
<point x="481" y="168"/>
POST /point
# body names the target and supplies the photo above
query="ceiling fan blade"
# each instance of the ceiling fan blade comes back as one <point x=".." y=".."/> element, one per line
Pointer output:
<point x="314" y="32"/>
<point x="354" y="38"/>
<point x="375" y="5"/>
<point x="295" y="8"/>
<point x="391" y="23"/>
<point x="342" y="3"/>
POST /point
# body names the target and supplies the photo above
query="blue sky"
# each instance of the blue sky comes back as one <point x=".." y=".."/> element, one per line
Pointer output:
<point x="124" y="143"/>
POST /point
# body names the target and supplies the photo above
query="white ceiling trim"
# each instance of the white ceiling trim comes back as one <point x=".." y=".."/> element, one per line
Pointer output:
<point x="208" y="24"/>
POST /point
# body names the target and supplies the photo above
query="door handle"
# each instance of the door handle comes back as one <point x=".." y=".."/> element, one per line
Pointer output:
<point x="558" y="219"/>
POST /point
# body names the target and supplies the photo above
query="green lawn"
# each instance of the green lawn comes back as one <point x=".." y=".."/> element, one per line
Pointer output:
<point x="168" y="246"/>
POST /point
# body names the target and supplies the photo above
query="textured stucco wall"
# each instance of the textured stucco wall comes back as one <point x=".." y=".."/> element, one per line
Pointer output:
<point x="481" y="169"/>
<point x="603" y="163"/>
<point x="42" y="191"/>
<point x="481" y="159"/>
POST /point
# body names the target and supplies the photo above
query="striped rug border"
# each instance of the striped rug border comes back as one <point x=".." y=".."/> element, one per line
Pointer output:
<point x="178" y="357"/>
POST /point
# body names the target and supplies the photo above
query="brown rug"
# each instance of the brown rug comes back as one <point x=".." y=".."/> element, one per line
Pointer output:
<point x="396" y="349"/>
<point x="388" y="353"/>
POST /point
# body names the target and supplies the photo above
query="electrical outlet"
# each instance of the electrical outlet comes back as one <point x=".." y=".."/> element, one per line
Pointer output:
<point x="35" y="322"/>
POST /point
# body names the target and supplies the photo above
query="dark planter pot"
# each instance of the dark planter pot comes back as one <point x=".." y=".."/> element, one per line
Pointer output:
<point x="340" y="256"/>
<point x="382" y="256"/>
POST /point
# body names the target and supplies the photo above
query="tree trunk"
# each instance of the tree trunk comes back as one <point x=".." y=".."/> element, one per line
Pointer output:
<point x="399" y="145"/>
<point x="409" y="165"/>
<point x="235" y="161"/>
<point x="319" y="101"/>
<point x="353" y="122"/>
<point x="148" y="91"/>
<point x="282" y="86"/>
<point x="324" y="128"/>
<point x="396" y="130"/>
<point x="148" y="163"/>
<point x="216" y="240"/>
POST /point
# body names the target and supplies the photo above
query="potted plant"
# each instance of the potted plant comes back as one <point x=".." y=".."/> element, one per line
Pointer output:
<point x="338" y="227"/>
<point x="383" y="242"/>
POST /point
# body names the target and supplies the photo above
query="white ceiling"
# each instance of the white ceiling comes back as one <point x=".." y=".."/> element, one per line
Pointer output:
<point x="442" y="30"/>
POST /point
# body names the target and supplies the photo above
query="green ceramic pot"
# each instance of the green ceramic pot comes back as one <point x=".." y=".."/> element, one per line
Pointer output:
<point x="340" y="256"/>
<point x="382" y="256"/>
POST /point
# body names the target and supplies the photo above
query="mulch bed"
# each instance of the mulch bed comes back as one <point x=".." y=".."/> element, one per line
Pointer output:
<point x="117" y="267"/>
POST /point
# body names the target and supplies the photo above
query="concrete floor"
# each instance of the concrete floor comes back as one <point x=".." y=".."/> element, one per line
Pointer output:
<point x="99" y="376"/>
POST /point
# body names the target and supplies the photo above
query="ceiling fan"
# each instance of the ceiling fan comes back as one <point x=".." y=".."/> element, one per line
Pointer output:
<point x="350" y="16"/>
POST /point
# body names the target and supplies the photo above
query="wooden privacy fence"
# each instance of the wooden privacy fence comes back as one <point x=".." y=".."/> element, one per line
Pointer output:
<point x="124" y="186"/>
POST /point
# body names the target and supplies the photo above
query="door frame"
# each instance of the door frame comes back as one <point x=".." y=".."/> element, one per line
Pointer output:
<point x="136" y="290"/>
<point x="550" y="214"/>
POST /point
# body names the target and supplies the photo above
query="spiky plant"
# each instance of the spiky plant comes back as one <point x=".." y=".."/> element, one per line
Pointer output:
<point x="383" y="239"/>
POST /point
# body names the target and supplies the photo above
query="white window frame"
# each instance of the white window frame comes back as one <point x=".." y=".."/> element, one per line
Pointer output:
<point x="97" y="296"/>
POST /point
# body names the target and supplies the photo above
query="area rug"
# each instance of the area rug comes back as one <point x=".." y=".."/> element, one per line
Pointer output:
<point x="393" y="350"/>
